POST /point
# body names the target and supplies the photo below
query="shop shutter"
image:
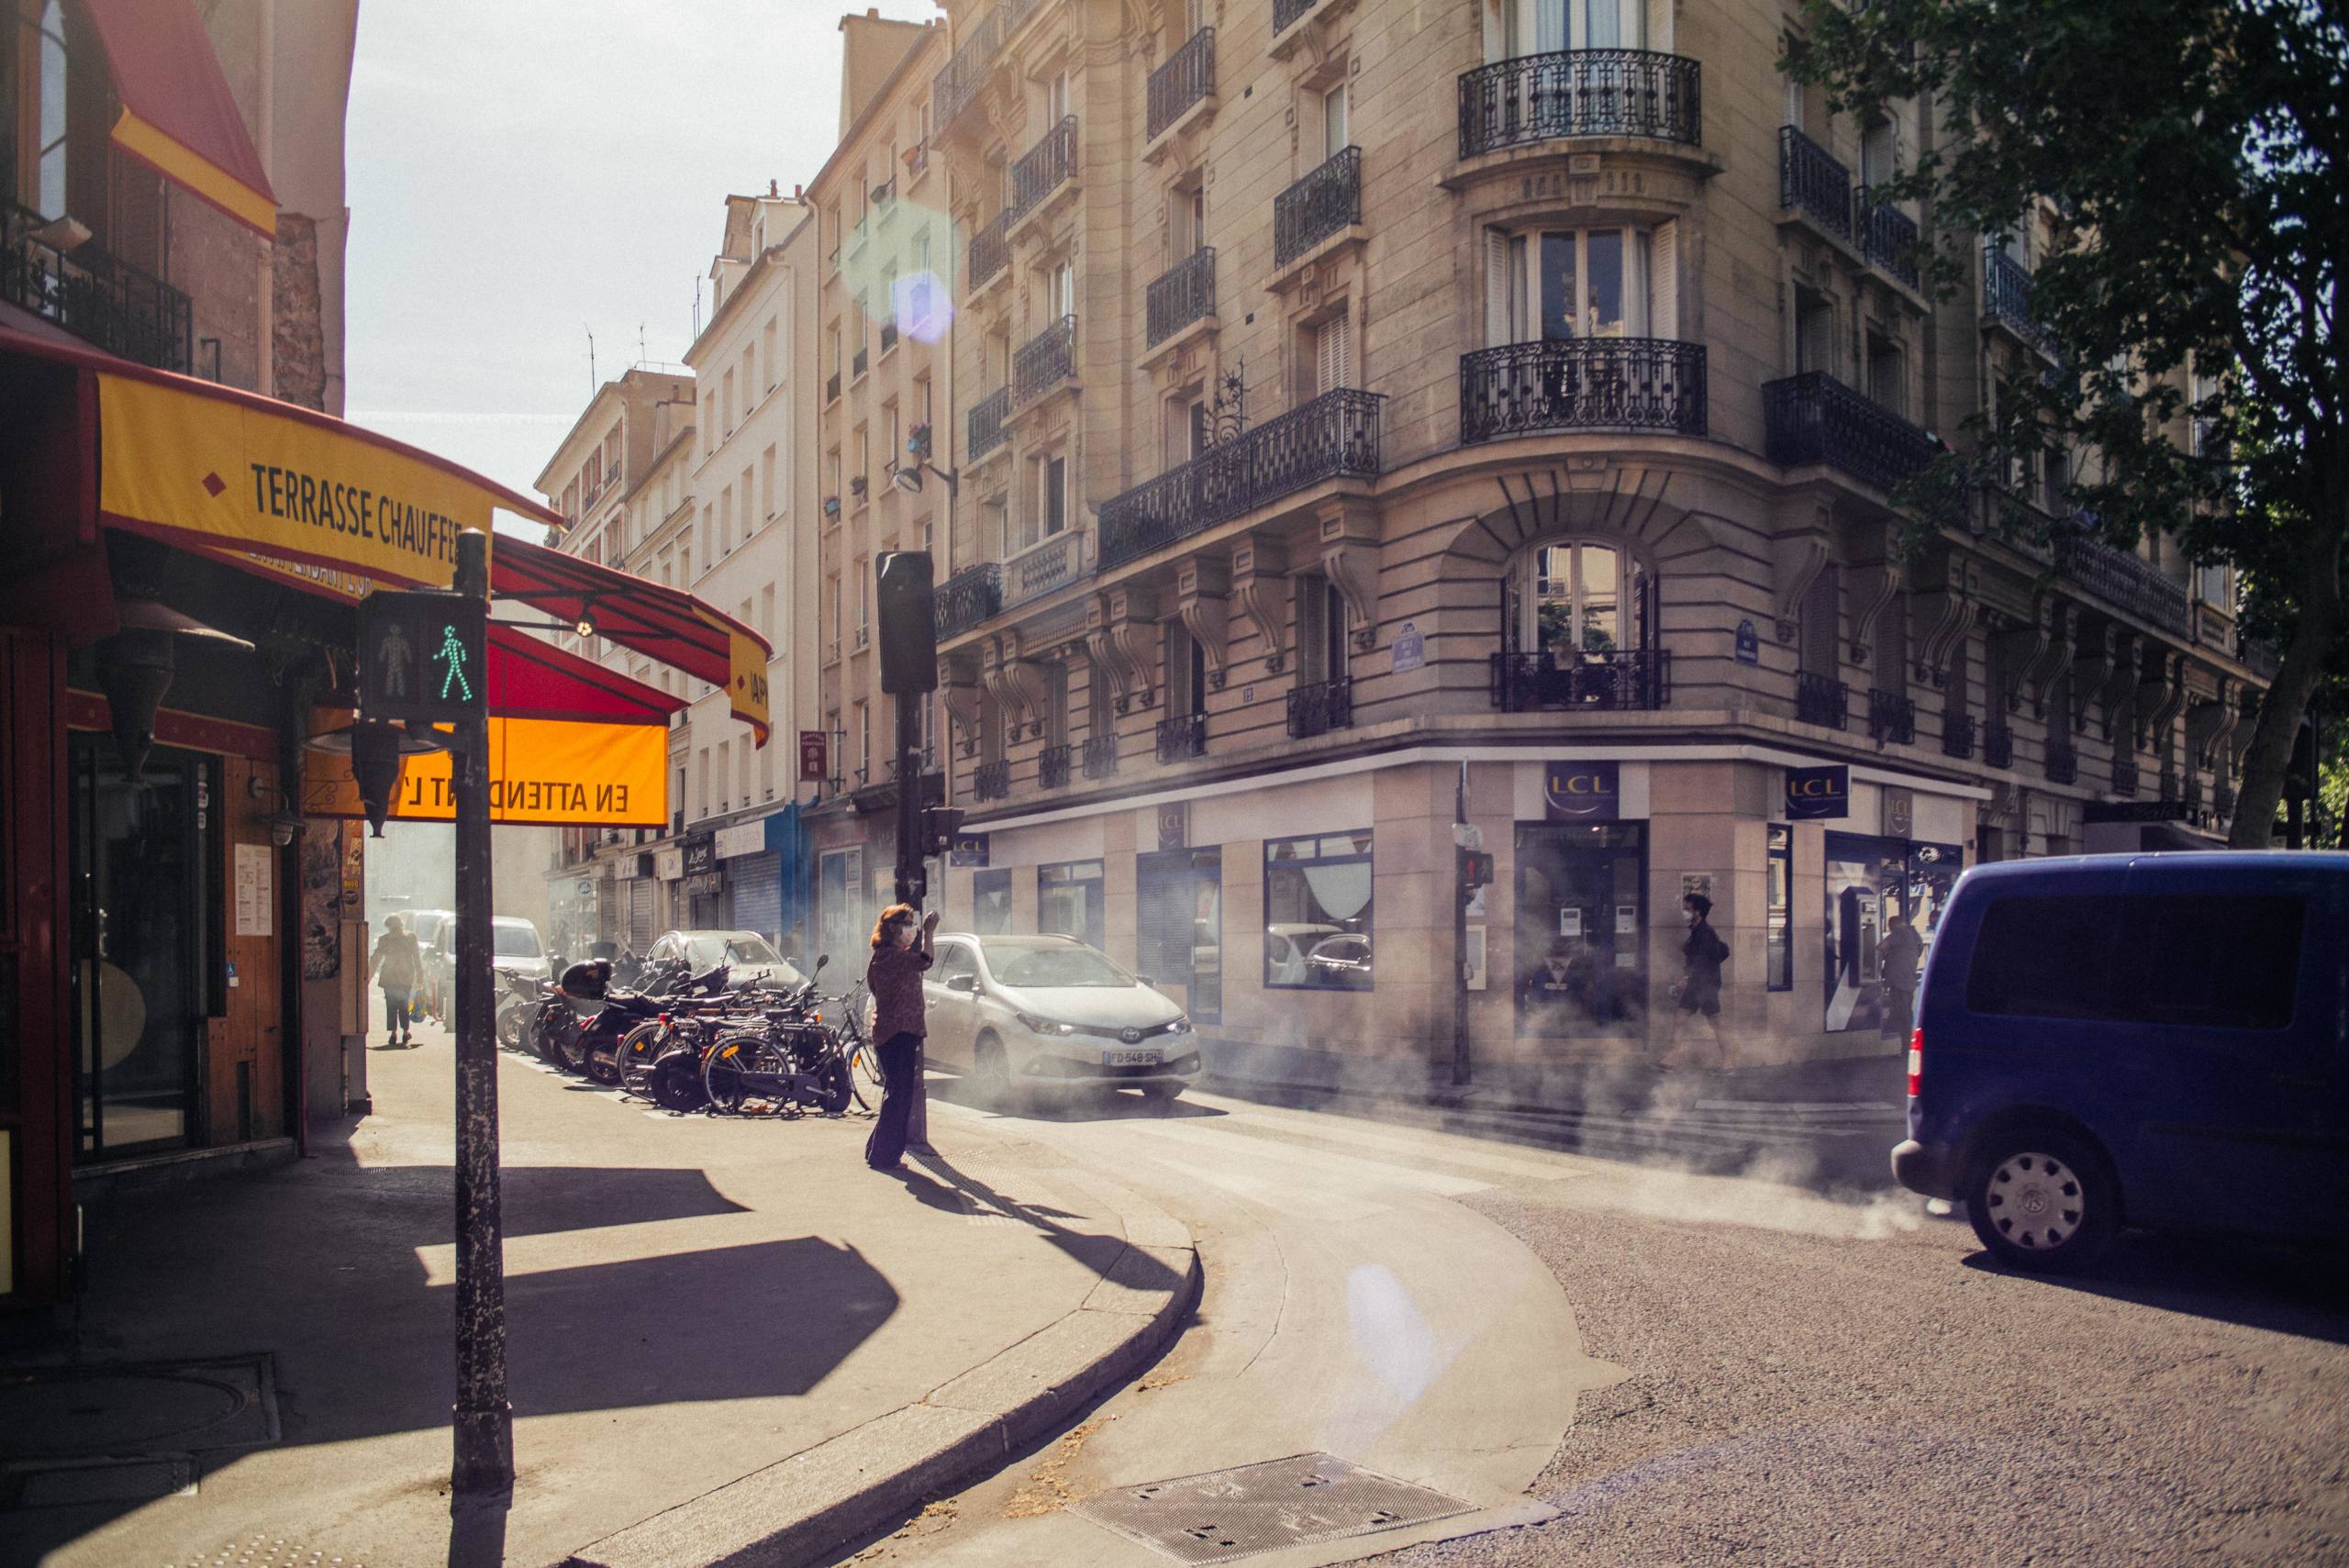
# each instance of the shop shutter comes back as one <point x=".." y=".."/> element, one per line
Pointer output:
<point x="758" y="893"/>
<point x="641" y="916"/>
<point x="1663" y="281"/>
<point x="1163" y="920"/>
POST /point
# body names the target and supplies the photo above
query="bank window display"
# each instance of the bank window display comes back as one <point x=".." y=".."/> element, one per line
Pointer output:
<point x="1318" y="912"/>
<point x="1871" y="885"/>
<point x="1778" y="909"/>
<point x="1581" y="928"/>
<point x="1178" y="925"/>
<point x="1069" y="900"/>
<point x="991" y="902"/>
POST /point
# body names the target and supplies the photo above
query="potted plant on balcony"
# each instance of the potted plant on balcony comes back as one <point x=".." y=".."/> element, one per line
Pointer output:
<point x="918" y="442"/>
<point x="856" y="487"/>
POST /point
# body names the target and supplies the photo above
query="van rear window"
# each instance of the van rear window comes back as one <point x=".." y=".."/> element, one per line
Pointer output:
<point x="2043" y="958"/>
<point x="2204" y="961"/>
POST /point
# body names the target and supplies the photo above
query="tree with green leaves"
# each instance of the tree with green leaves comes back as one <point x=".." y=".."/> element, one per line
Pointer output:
<point x="2191" y="155"/>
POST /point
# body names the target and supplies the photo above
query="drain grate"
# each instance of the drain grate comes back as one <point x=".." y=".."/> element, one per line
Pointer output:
<point x="128" y="1409"/>
<point x="64" y="1483"/>
<point x="1228" y="1513"/>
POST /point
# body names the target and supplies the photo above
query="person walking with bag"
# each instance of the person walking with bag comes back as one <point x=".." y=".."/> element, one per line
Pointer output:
<point x="398" y="969"/>
<point x="894" y="978"/>
<point x="1699" y="991"/>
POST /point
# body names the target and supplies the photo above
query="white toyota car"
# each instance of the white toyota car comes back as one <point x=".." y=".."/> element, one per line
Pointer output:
<point x="1027" y="1014"/>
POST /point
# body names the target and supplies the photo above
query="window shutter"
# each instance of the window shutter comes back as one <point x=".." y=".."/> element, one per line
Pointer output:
<point x="1663" y="280"/>
<point x="1334" y="355"/>
<point x="1498" y="329"/>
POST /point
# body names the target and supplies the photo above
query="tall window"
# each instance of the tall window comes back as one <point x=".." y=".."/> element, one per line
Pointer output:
<point x="1057" y="99"/>
<point x="1583" y="283"/>
<point x="1062" y="298"/>
<point x="1052" y="507"/>
<point x="1878" y="152"/>
<point x="1322" y="625"/>
<point x="1337" y="120"/>
<point x="1186" y="672"/>
<point x="1888" y="375"/>
<point x="1190" y="221"/>
<point x="1520" y="27"/>
<point x="1334" y="355"/>
<point x="50" y="176"/>
<point x="1779" y="905"/>
<point x="725" y="775"/>
<point x="1318" y="912"/>
<point x="1814" y="332"/>
<point x="1576" y="598"/>
<point x="766" y="348"/>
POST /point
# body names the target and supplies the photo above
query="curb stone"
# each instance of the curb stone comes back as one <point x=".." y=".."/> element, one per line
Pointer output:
<point x="793" y="1510"/>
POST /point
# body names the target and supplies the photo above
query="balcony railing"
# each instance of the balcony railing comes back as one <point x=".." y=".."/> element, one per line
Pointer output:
<point x="1814" y="182"/>
<point x="1052" y="768"/>
<point x="1583" y="384"/>
<point x="859" y="363"/>
<point x="1045" y="360"/>
<point x="1038" y="569"/>
<point x="1820" y="700"/>
<point x="1187" y="76"/>
<point x="1287" y="12"/>
<point x="2128" y="580"/>
<point x="1325" y="202"/>
<point x="990" y="249"/>
<point x="1888" y="236"/>
<point x="1043" y="168"/>
<point x="1334" y="436"/>
<point x="2063" y="763"/>
<point x="2124" y="773"/>
<point x="1997" y="745"/>
<point x="2006" y="293"/>
<point x="1628" y="679"/>
<point x="1813" y="418"/>
<point x="88" y="293"/>
<point x="956" y="87"/>
<point x="1892" y="717"/>
<point x="888" y="336"/>
<point x="1582" y="91"/>
<point x="1185" y="292"/>
<point x="1318" y="709"/>
<point x="992" y="781"/>
<point x="968" y="598"/>
<point x="1100" y="756"/>
<point x="1184" y="735"/>
<point x="832" y="387"/>
<point x="1957" y="735"/>
<point x="988" y="422"/>
<point x="884" y="193"/>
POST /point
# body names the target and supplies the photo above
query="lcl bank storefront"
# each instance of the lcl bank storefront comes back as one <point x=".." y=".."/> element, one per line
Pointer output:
<point x="181" y="961"/>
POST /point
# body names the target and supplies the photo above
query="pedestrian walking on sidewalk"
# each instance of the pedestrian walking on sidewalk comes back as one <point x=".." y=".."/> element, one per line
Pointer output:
<point x="903" y="944"/>
<point x="1899" y="955"/>
<point x="397" y="968"/>
<point x="1698" y="995"/>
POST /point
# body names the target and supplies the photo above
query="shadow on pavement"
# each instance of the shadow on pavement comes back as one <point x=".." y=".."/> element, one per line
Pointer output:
<point x="1101" y="1254"/>
<point x="2253" y="1285"/>
<point x="1072" y="1105"/>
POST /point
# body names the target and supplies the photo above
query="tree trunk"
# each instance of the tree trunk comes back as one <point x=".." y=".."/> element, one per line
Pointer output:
<point x="2314" y="634"/>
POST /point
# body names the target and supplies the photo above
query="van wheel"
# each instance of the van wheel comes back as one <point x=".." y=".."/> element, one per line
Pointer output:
<point x="2041" y="1200"/>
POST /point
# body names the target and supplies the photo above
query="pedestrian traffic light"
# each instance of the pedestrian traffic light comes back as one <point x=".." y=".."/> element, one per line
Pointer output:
<point x="940" y="825"/>
<point x="422" y="656"/>
<point x="1475" y="871"/>
<point x="908" y="621"/>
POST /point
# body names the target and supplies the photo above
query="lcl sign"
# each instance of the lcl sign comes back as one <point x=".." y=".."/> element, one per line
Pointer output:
<point x="1580" y="792"/>
<point x="1814" y="793"/>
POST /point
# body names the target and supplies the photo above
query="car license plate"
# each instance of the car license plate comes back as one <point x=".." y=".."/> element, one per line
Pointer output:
<point x="1130" y="1059"/>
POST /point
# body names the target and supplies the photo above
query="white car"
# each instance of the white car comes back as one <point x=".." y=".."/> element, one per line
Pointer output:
<point x="750" y="960"/>
<point x="514" y="949"/>
<point x="1027" y="1013"/>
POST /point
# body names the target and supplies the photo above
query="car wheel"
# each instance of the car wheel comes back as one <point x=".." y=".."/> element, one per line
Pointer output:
<point x="991" y="1074"/>
<point x="2041" y="1199"/>
<point x="1164" y="1090"/>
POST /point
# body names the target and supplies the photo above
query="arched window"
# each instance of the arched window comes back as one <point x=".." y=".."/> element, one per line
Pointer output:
<point x="50" y="180"/>
<point x="1578" y="630"/>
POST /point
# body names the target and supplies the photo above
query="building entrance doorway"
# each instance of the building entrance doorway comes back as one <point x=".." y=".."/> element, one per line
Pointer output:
<point x="1179" y="926"/>
<point x="1581" y="934"/>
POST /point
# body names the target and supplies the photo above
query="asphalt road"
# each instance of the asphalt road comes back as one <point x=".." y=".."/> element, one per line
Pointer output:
<point x="1711" y="1368"/>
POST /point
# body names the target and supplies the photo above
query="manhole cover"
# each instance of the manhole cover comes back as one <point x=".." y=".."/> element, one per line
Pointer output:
<point x="65" y="1483"/>
<point x="1234" y="1513"/>
<point x="119" y="1410"/>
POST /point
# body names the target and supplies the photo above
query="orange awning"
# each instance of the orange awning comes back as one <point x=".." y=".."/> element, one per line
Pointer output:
<point x="178" y="115"/>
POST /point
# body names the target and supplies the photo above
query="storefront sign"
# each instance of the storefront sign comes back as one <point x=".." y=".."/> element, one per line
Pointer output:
<point x="970" y="849"/>
<point x="541" y="771"/>
<point x="1816" y="792"/>
<point x="1174" y="824"/>
<point x="1580" y="792"/>
<point x="256" y="889"/>
<point x="742" y="839"/>
<point x="1899" y="812"/>
<point x="813" y="768"/>
<point x="701" y="857"/>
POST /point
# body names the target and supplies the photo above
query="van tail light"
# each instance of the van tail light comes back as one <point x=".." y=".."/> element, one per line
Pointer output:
<point x="1916" y="1063"/>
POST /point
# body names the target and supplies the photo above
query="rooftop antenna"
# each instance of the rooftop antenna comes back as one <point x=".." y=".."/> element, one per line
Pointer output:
<point x="591" y="358"/>
<point x="642" y="357"/>
<point x="697" y="306"/>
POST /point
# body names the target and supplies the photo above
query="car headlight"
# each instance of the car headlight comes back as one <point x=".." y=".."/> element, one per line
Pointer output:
<point x="1044" y="1025"/>
<point x="1180" y="1026"/>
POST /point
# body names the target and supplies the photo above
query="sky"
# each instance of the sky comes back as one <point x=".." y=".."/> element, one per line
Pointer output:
<point x="524" y="173"/>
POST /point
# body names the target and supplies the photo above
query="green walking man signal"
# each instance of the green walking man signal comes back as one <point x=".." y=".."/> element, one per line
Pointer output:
<point x="421" y="655"/>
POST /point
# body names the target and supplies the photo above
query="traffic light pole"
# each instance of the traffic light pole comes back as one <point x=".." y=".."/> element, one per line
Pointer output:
<point x="911" y="884"/>
<point x="484" y="1420"/>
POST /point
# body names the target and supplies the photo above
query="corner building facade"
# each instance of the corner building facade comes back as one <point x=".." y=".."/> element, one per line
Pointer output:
<point x="1386" y="426"/>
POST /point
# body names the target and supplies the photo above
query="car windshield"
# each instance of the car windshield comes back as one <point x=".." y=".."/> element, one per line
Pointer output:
<point x="514" y="941"/>
<point x="1038" y="964"/>
<point x="739" y="949"/>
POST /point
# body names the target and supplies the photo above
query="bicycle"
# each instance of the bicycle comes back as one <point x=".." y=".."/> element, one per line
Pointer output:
<point x="856" y="1044"/>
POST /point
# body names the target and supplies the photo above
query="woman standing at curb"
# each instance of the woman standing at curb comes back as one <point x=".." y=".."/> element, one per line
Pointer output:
<point x="396" y="961"/>
<point x="894" y="978"/>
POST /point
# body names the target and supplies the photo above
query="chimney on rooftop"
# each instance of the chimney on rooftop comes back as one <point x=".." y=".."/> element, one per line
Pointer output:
<point x="773" y="189"/>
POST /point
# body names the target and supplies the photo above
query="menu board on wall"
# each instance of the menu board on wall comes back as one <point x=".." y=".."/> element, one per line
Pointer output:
<point x="254" y="893"/>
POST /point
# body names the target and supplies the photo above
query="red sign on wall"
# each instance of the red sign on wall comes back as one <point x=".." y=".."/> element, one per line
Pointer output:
<point x="813" y="757"/>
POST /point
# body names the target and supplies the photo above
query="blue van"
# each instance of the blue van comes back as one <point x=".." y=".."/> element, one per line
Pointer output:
<point x="2157" y="1040"/>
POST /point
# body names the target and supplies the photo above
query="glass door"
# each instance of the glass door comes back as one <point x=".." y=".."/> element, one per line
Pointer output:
<point x="1179" y="926"/>
<point x="1581" y="929"/>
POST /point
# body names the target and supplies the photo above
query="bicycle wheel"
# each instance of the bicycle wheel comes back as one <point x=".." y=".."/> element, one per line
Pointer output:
<point x="640" y="1049"/>
<point x="722" y="1070"/>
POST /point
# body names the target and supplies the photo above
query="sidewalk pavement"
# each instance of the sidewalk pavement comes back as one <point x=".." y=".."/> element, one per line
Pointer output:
<point x="728" y="1338"/>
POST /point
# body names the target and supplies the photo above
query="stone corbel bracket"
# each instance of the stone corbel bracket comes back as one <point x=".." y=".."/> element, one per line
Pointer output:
<point x="995" y="670"/>
<point x="1202" y="585"/>
<point x="1948" y="607"/>
<point x="1108" y="659"/>
<point x="2092" y="660"/>
<point x="2160" y="693"/>
<point x="1025" y="678"/>
<point x="2117" y="694"/>
<point x="1258" y="567"/>
<point x="2211" y="724"/>
<point x="2055" y="639"/>
<point x="958" y="684"/>
<point x="1874" y="585"/>
<point x="2240" y="730"/>
<point x="1350" y="559"/>
<point x="1133" y="626"/>
<point x="1795" y="565"/>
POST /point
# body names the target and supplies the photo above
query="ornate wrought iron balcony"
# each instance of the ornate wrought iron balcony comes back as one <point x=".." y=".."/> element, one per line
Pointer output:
<point x="2063" y="763"/>
<point x="987" y="421"/>
<point x="1957" y="735"/>
<point x="1052" y="564"/>
<point x="1813" y="181"/>
<point x="1581" y="91"/>
<point x="2124" y="769"/>
<point x="1287" y="12"/>
<point x="1316" y="709"/>
<point x="1583" y="384"/>
<point x="968" y="598"/>
<point x="859" y="363"/>
<point x="1892" y="717"/>
<point x="1813" y="418"/>
<point x="1184" y="735"/>
<point x="1997" y="745"/>
<point x="1334" y="436"/>
<point x="2128" y="581"/>
<point x="1187" y="76"/>
<point x="1185" y="292"/>
<point x="992" y="781"/>
<point x="1043" y="362"/>
<point x="1597" y="683"/>
<point x="1888" y="236"/>
<point x="2005" y="294"/>
<point x="1052" y="768"/>
<point x="956" y="87"/>
<point x="1100" y="756"/>
<point x="990" y="249"/>
<point x="1043" y="169"/>
<point x="1325" y="202"/>
<point x="88" y="293"/>
<point x="1820" y="700"/>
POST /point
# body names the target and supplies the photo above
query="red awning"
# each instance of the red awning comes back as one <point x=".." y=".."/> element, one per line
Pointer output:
<point x="659" y="622"/>
<point x="178" y="115"/>
<point x="531" y="678"/>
